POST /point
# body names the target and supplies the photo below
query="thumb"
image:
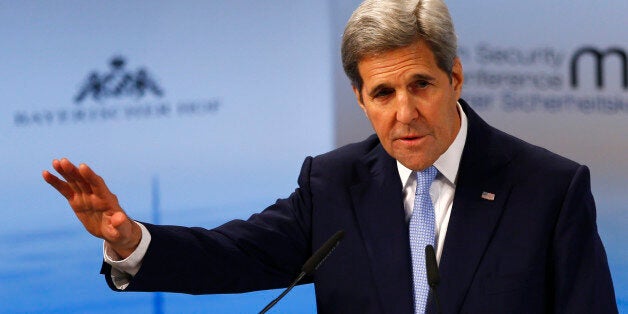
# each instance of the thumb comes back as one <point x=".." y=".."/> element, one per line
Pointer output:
<point x="118" y="219"/>
<point x="119" y="228"/>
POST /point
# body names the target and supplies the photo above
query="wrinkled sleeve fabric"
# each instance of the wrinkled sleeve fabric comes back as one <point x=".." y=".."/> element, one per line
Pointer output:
<point x="263" y="252"/>
<point x="581" y="274"/>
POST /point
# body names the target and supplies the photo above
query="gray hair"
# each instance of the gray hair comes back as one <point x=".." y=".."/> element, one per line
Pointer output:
<point x="378" y="26"/>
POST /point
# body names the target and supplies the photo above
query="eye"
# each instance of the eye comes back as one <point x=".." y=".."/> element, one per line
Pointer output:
<point x="421" y="84"/>
<point x="383" y="92"/>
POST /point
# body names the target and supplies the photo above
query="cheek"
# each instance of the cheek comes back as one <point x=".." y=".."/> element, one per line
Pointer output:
<point x="447" y="126"/>
<point x="381" y="120"/>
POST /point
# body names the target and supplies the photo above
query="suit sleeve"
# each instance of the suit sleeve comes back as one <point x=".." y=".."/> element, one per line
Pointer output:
<point x="265" y="251"/>
<point x="581" y="275"/>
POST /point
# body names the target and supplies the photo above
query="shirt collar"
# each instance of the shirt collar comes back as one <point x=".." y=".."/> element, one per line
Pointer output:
<point x="449" y="162"/>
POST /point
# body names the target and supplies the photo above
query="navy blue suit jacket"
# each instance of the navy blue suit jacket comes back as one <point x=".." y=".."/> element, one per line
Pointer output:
<point x="533" y="249"/>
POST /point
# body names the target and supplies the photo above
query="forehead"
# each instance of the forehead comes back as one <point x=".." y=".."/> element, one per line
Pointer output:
<point x="412" y="60"/>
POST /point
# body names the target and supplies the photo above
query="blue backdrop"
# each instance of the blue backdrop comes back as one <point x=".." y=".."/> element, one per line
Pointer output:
<point x="178" y="105"/>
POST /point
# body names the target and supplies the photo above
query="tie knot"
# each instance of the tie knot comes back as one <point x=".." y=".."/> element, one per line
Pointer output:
<point x="424" y="179"/>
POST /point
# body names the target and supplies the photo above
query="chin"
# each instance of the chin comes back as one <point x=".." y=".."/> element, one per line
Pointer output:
<point x="413" y="165"/>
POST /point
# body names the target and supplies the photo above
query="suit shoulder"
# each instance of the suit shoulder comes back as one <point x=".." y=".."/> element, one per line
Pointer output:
<point x="344" y="159"/>
<point x="533" y="159"/>
<point x="349" y="152"/>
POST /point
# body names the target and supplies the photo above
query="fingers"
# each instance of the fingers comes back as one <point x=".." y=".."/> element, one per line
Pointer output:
<point x="84" y="189"/>
<point x="95" y="182"/>
<point x="72" y="176"/>
<point x="58" y="184"/>
<point x="80" y="182"/>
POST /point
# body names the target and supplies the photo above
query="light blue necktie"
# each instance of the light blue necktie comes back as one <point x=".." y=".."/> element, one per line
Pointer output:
<point x="421" y="234"/>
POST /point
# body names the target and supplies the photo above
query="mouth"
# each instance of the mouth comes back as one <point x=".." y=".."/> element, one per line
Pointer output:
<point x="410" y="139"/>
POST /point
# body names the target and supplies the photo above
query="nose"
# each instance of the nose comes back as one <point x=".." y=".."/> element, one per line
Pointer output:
<point x="406" y="108"/>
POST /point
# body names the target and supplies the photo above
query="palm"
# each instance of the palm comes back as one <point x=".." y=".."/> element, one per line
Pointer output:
<point x="94" y="212"/>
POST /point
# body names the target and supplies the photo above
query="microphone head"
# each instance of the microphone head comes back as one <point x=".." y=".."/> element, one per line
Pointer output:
<point x="433" y="278"/>
<point x="321" y="254"/>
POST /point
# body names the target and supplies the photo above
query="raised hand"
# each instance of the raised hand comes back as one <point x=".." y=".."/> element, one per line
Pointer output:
<point x="95" y="206"/>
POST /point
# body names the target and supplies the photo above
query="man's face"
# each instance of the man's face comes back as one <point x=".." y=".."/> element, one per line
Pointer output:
<point x="411" y="103"/>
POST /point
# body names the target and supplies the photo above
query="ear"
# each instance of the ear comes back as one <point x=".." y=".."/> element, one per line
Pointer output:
<point x="457" y="77"/>
<point x="358" y="97"/>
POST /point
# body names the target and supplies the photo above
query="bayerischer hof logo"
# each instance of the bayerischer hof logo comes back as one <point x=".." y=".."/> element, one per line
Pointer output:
<point x="119" y="93"/>
<point x="118" y="82"/>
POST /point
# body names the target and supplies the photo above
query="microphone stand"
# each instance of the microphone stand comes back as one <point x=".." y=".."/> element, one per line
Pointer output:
<point x="310" y="265"/>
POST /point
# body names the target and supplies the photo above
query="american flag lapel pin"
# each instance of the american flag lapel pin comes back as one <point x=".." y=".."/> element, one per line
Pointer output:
<point x="488" y="196"/>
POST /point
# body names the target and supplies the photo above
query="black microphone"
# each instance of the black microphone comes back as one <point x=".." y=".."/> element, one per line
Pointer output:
<point x="433" y="278"/>
<point x="310" y="265"/>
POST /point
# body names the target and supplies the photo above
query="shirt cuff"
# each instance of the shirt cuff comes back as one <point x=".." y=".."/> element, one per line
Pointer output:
<point x="122" y="270"/>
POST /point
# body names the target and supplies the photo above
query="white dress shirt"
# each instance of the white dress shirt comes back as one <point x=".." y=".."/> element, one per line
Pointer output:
<point x="444" y="186"/>
<point x="441" y="191"/>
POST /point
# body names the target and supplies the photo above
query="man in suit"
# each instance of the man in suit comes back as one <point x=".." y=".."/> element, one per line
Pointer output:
<point x="513" y="224"/>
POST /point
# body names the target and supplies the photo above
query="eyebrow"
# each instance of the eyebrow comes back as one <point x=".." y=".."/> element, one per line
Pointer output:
<point x="415" y="77"/>
<point x="376" y="89"/>
<point x="423" y="77"/>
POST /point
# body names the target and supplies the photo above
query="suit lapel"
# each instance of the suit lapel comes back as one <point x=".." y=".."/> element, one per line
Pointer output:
<point x="378" y="207"/>
<point x="474" y="216"/>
